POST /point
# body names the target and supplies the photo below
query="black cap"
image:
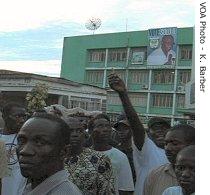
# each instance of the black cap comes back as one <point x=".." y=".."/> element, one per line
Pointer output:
<point x="158" y="120"/>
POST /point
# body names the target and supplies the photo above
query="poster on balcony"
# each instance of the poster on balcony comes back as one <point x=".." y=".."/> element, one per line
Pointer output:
<point x="161" y="50"/>
<point x="137" y="57"/>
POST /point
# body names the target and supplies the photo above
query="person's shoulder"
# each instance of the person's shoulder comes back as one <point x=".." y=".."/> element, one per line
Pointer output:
<point x="172" y="52"/>
<point x="99" y="158"/>
<point x="155" y="175"/>
<point x="66" y="188"/>
<point x="118" y="152"/>
<point x="159" y="170"/>
<point x="152" y="146"/>
<point x="148" y="145"/>
<point x="93" y="154"/>
<point x="155" y="51"/>
<point x="174" y="190"/>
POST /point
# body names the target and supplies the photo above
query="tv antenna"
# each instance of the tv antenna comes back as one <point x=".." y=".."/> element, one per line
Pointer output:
<point x="93" y="24"/>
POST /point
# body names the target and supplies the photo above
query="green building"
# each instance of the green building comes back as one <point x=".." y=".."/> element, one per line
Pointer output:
<point x="155" y="90"/>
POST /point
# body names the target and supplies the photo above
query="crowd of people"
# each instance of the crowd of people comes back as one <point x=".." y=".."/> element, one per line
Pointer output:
<point x="49" y="154"/>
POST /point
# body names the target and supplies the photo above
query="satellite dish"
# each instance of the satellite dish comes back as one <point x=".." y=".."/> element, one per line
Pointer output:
<point x="93" y="24"/>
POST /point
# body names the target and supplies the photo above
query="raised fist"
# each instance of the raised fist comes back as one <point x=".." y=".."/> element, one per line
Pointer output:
<point x="116" y="83"/>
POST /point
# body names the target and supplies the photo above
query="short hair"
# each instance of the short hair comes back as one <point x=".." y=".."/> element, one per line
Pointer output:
<point x="155" y="120"/>
<point x="63" y="126"/>
<point x="70" y="120"/>
<point x="188" y="132"/>
<point x="6" y="109"/>
<point x="98" y="116"/>
<point x="168" y="36"/>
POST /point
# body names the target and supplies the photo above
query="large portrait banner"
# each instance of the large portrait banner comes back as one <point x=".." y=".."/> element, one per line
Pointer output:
<point x="162" y="46"/>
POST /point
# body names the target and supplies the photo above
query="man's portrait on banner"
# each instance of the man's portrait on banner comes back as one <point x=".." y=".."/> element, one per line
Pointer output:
<point x="162" y="46"/>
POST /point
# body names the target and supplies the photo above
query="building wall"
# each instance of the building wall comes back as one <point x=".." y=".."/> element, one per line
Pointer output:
<point x="153" y="91"/>
<point x="15" y="88"/>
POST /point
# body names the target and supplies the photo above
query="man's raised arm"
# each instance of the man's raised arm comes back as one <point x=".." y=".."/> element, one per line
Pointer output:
<point x="137" y="127"/>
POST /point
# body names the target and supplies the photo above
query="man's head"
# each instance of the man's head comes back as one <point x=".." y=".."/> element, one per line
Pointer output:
<point x="123" y="130"/>
<point x="77" y="137"/>
<point x="167" y="43"/>
<point x="41" y="144"/>
<point x="100" y="129"/>
<point x="177" y="138"/>
<point x="14" y="116"/>
<point x="83" y="119"/>
<point x="158" y="127"/>
<point x="185" y="169"/>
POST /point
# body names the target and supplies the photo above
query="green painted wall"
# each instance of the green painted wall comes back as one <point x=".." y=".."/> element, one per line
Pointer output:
<point x="74" y="59"/>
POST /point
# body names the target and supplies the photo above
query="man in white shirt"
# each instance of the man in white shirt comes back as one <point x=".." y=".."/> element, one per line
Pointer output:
<point x="146" y="154"/>
<point x="157" y="129"/>
<point x="41" y="148"/>
<point x="14" y="116"/>
<point x="164" y="55"/>
<point x="100" y="129"/>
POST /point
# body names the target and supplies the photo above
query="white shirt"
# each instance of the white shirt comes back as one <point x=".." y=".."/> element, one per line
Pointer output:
<point x="158" y="57"/>
<point x="147" y="159"/>
<point x="122" y="169"/>
<point x="15" y="182"/>
<point x="175" y="190"/>
<point x="57" y="184"/>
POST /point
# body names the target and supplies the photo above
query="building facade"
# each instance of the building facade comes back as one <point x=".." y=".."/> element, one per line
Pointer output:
<point x="15" y="85"/>
<point x="155" y="90"/>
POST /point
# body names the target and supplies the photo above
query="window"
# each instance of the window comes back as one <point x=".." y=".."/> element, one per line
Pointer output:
<point x="184" y="76"/>
<point x="163" y="77"/>
<point x="117" y="55"/>
<point x="186" y="53"/>
<point x="103" y="106"/>
<point x="162" y="100"/>
<point x="97" y="55"/>
<point x="139" y="77"/>
<point x="180" y="103"/>
<point x="113" y="98"/>
<point x="138" y="99"/>
<point x="89" y="104"/>
<point x="74" y="103"/>
<point x="138" y="55"/>
<point x="94" y="76"/>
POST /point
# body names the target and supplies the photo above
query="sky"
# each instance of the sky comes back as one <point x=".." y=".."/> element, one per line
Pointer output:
<point x="32" y="32"/>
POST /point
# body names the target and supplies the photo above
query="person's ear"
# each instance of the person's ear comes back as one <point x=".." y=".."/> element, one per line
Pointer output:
<point x="4" y="116"/>
<point x="65" y="152"/>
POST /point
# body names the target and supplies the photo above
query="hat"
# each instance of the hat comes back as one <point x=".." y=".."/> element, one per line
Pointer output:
<point x="125" y="122"/>
<point x="156" y="120"/>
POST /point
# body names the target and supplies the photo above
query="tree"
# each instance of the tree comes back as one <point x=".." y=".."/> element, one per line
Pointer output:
<point x="36" y="98"/>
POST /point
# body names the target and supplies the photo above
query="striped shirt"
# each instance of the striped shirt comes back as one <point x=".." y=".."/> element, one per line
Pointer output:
<point x="160" y="179"/>
<point x="57" y="184"/>
<point x="3" y="160"/>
